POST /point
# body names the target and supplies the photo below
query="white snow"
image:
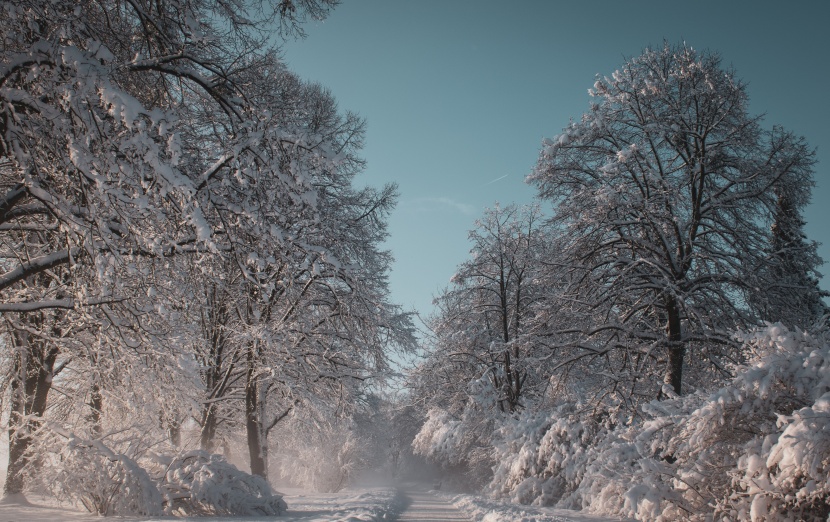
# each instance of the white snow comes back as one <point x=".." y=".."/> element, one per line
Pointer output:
<point x="348" y="505"/>
<point x="482" y="509"/>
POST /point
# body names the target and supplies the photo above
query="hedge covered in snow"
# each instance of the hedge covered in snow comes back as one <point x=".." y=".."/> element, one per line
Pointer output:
<point x="757" y="449"/>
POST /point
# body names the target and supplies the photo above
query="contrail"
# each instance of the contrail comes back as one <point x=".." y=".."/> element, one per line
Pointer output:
<point x="495" y="180"/>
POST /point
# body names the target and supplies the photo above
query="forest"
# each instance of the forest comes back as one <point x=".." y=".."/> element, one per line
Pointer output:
<point x="195" y="305"/>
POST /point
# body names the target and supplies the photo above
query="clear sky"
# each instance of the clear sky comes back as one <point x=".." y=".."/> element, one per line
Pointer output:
<point x="458" y="95"/>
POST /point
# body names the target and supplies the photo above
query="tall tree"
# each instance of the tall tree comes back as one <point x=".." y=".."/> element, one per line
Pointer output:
<point x="484" y="361"/>
<point x="492" y="299"/>
<point x="789" y="276"/>
<point x="131" y="130"/>
<point x="664" y="193"/>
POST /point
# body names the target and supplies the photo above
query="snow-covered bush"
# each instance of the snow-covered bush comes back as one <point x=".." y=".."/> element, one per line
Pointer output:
<point x="541" y="456"/>
<point x="131" y="481"/>
<point x="198" y="483"/>
<point x="572" y="456"/>
<point x="105" y="482"/>
<point x="437" y="438"/>
<point x="461" y="446"/>
<point x="758" y="449"/>
<point x="783" y="473"/>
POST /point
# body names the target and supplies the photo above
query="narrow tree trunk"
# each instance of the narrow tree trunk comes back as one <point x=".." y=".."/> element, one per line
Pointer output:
<point x="208" y="433"/>
<point x="96" y="402"/>
<point x="209" y="420"/>
<point x="213" y="378"/>
<point x="217" y="369"/>
<point x="18" y="439"/>
<point x="253" y="421"/>
<point x="174" y="432"/>
<point x="510" y="398"/>
<point x="677" y="348"/>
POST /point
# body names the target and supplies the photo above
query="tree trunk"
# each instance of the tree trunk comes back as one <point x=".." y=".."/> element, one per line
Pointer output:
<point x="253" y="421"/>
<point x="208" y="433"/>
<point x="18" y="439"/>
<point x="96" y="402"/>
<point x="174" y="432"/>
<point x="34" y="362"/>
<point x="676" y="346"/>
<point x="216" y="383"/>
<point x="218" y="369"/>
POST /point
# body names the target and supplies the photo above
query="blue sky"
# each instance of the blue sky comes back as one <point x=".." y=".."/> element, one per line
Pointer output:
<point x="458" y="95"/>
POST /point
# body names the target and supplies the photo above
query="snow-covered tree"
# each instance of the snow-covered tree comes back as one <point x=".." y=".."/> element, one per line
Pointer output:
<point x="664" y="193"/>
<point x="789" y="279"/>
<point x="317" y="314"/>
<point x="136" y="133"/>
<point x="483" y="359"/>
<point x="676" y="229"/>
<point x="126" y="124"/>
<point x="485" y="317"/>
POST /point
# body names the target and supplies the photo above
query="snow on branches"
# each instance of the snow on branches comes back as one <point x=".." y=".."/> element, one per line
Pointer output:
<point x="664" y="194"/>
<point x="153" y="153"/>
<point x="676" y="222"/>
<point x="756" y="449"/>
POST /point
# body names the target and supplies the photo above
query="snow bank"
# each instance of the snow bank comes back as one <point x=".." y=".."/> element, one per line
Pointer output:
<point x="486" y="510"/>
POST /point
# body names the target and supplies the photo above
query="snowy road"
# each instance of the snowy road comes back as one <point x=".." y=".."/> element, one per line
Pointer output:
<point x="426" y="507"/>
<point x="352" y="505"/>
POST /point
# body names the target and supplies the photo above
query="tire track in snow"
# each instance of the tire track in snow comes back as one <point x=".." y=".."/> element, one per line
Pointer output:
<point x="425" y="507"/>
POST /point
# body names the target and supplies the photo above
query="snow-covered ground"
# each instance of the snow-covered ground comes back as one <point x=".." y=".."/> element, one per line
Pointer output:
<point x="349" y="505"/>
<point x="481" y="509"/>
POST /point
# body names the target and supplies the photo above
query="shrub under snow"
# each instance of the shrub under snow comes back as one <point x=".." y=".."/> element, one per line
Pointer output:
<point x="462" y="446"/>
<point x="542" y="456"/>
<point x="105" y="482"/>
<point x="194" y="483"/>
<point x="758" y="449"/>
<point x="785" y="474"/>
<point x="198" y="483"/>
